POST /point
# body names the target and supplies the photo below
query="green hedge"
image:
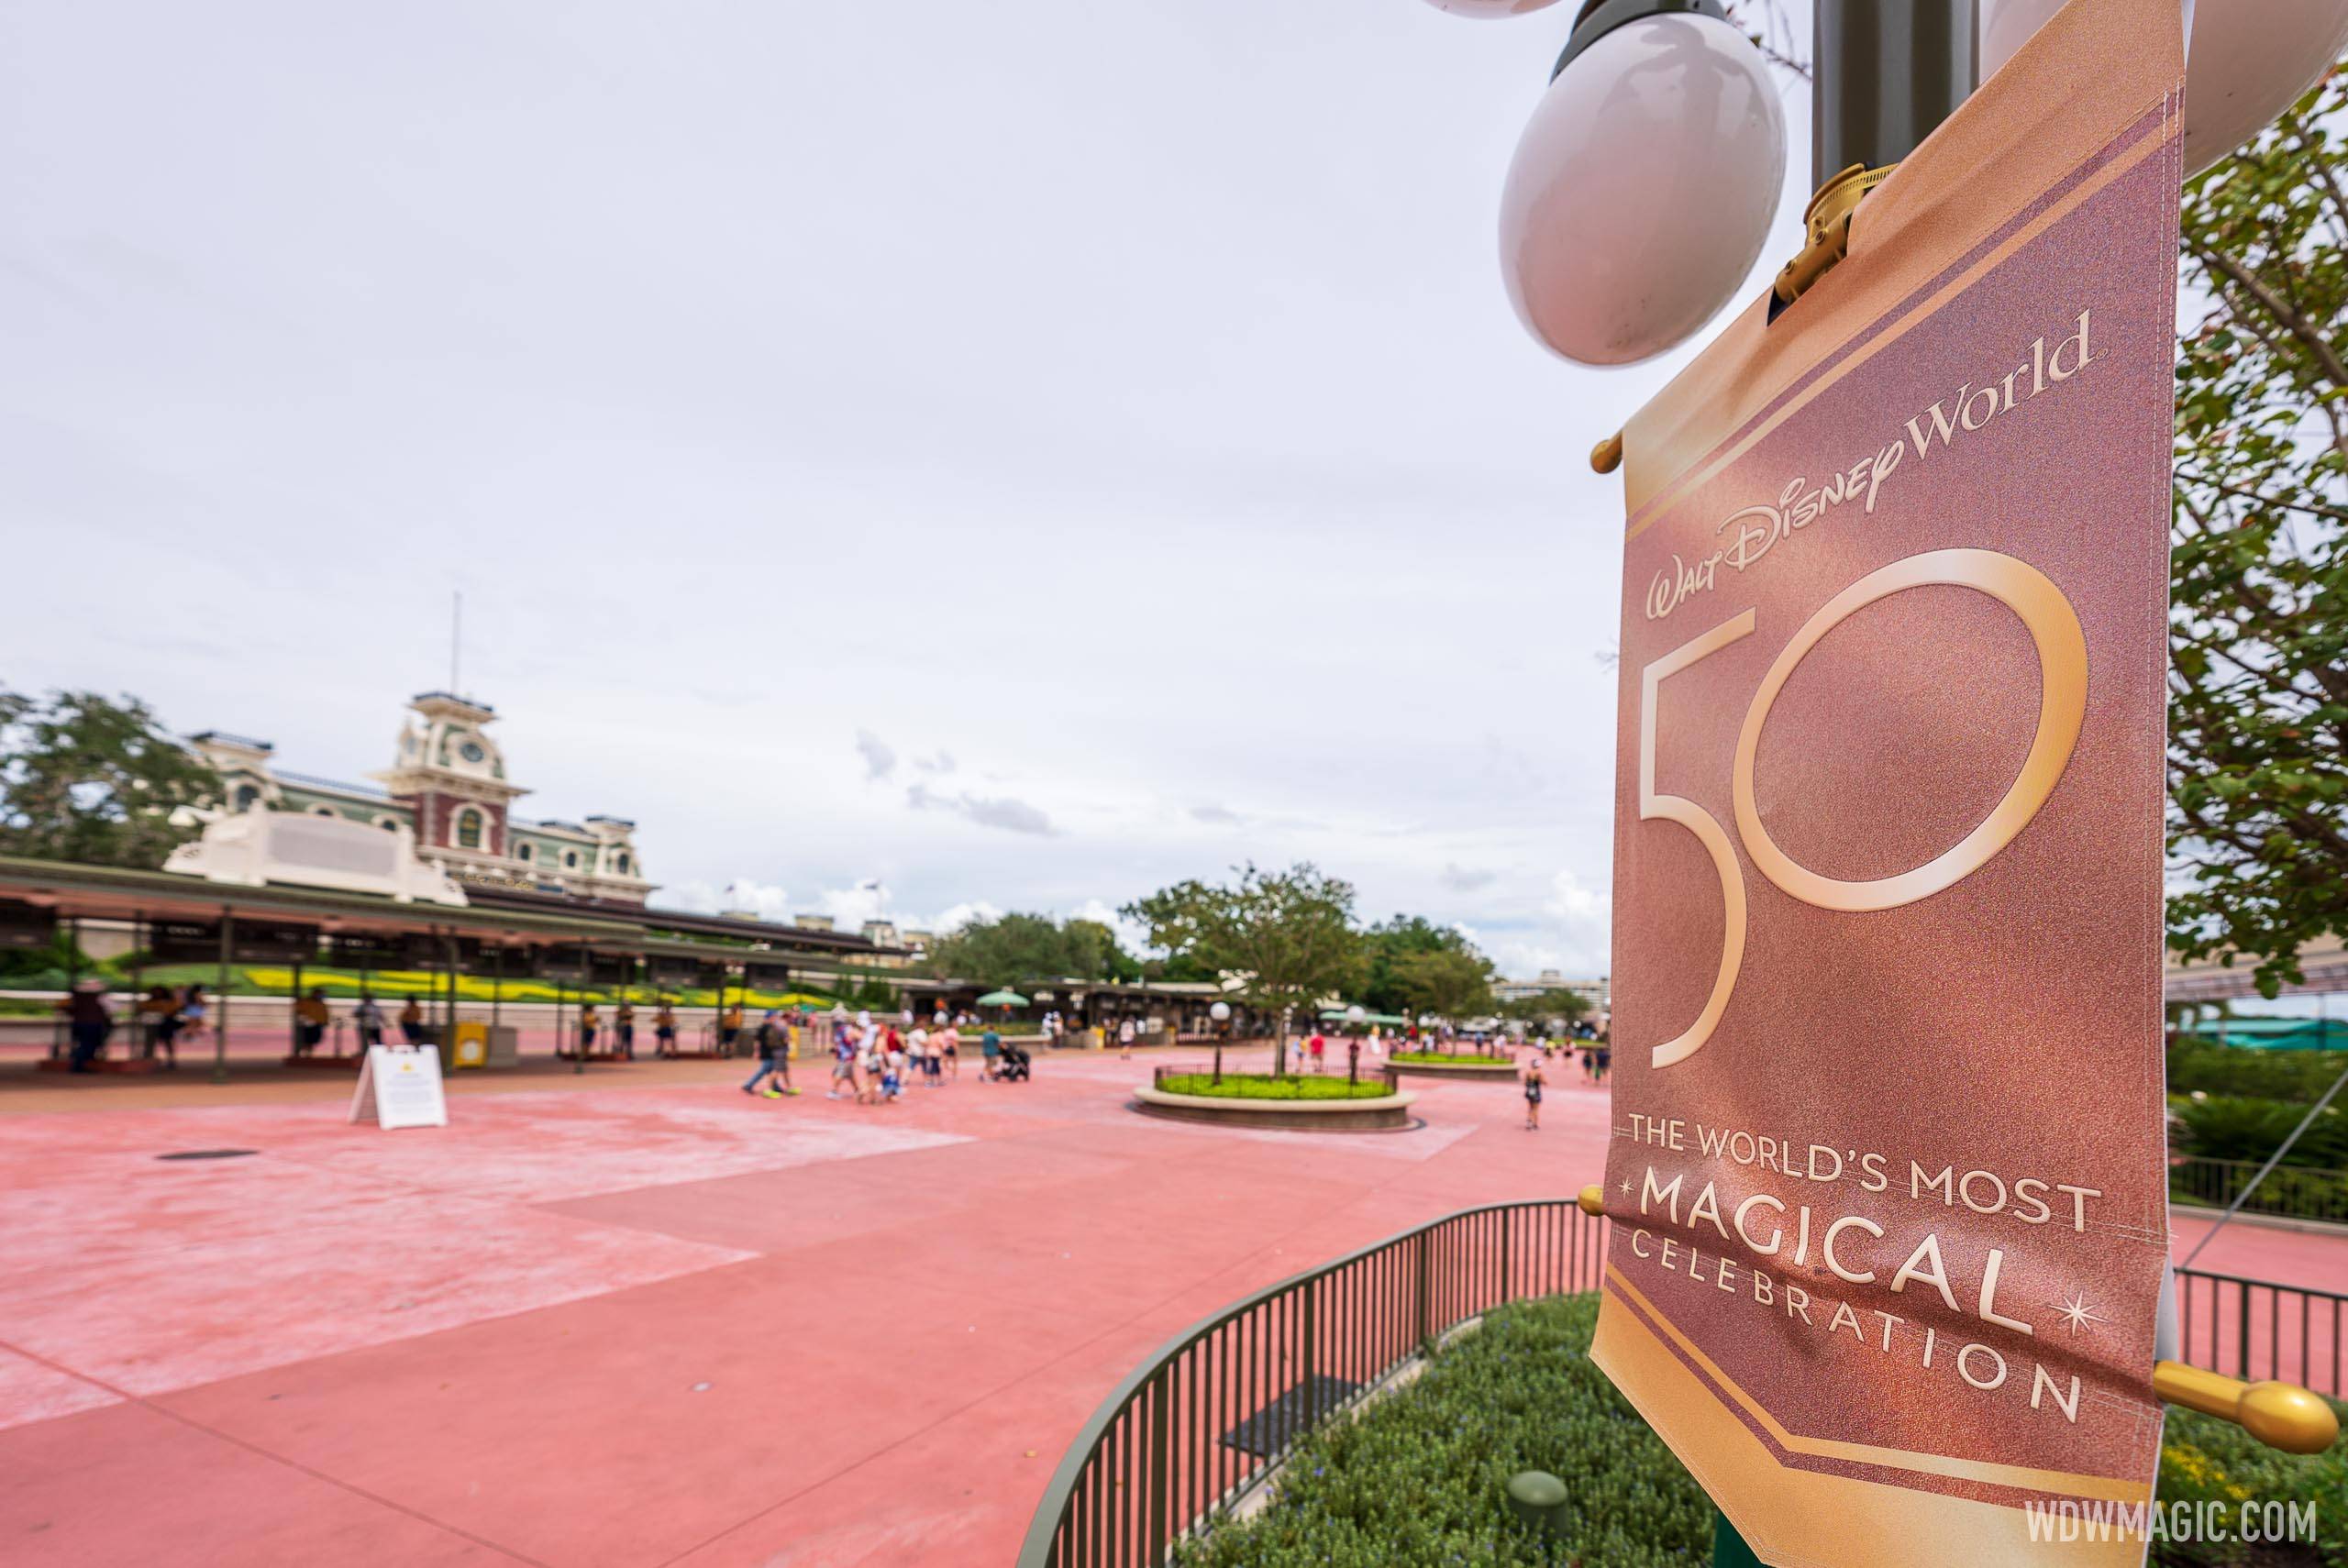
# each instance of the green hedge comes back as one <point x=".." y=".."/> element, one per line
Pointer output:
<point x="2300" y="1076"/>
<point x="1454" y="1058"/>
<point x="1417" y="1481"/>
<point x="1263" y="1086"/>
<point x="2229" y="1127"/>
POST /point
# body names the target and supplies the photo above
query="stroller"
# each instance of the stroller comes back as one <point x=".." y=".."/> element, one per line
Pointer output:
<point x="1016" y="1064"/>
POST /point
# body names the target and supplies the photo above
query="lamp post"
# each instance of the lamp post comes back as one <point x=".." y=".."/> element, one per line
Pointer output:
<point x="1648" y="176"/>
<point x="1220" y="1015"/>
<point x="1356" y="1016"/>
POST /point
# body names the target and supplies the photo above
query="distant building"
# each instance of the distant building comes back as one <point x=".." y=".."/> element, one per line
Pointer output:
<point x="1595" y="992"/>
<point x="906" y="949"/>
<point x="811" y="921"/>
<point x="448" y="785"/>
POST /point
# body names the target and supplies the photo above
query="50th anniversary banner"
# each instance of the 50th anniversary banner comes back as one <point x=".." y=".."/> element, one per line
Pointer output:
<point x="1889" y="1164"/>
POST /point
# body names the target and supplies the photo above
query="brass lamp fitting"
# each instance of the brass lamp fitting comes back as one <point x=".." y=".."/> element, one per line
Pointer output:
<point x="1827" y="222"/>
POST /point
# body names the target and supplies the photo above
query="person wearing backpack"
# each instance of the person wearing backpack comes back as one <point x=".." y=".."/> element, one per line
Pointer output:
<point x="774" y="1059"/>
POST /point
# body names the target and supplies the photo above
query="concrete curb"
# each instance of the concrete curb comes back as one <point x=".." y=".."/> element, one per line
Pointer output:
<point x="1379" y="1113"/>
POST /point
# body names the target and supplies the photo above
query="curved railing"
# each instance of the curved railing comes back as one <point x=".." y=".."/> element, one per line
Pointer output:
<point x="1224" y="1401"/>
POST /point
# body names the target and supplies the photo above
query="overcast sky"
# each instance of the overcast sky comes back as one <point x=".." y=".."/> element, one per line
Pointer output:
<point x="913" y="456"/>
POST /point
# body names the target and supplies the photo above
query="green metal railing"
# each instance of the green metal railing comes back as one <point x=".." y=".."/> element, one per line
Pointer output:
<point x="1224" y="1401"/>
<point x="1199" y="1424"/>
<point x="2297" y="1192"/>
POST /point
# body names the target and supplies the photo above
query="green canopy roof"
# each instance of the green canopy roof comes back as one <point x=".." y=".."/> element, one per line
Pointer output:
<point x="1337" y="1015"/>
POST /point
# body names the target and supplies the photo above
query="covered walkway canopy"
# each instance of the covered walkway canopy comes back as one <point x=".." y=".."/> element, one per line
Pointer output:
<point x="176" y="918"/>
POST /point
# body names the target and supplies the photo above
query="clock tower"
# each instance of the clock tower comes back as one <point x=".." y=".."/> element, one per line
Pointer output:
<point x="451" y="777"/>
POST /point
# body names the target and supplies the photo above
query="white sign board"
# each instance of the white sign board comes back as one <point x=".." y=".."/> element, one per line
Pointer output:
<point x="399" y="1086"/>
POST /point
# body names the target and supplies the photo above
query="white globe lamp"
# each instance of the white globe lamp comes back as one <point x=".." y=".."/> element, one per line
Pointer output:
<point x="1356" y="1015"/>
<point x="1642" y="188"/>
<point x="2246" y="63"/>
<point x="1220" y="1012"/>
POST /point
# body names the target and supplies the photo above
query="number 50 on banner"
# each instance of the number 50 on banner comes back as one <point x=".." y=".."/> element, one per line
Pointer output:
<point x="2062" y="648"/>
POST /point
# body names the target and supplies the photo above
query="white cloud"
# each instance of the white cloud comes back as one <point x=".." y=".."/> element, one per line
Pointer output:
<point x="958" y="917"/>
<point x="748" y="895"/>
<point x="880" y="756"/>
<point x="1030" y="533"/>
<point x="987" y="810"/>
<point x="1132" y="935"/>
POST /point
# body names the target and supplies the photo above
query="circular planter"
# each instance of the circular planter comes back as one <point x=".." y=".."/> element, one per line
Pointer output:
<point x="1383" y="1114"/>
<point x="1479" y="1067"/>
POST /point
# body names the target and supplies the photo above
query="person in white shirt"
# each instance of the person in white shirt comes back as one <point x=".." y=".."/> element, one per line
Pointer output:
<point x="1126" y="1034"/>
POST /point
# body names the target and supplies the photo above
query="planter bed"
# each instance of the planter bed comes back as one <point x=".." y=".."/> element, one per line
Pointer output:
<point x="1454" y="1068"/>
<point x="1307" y="1105"/>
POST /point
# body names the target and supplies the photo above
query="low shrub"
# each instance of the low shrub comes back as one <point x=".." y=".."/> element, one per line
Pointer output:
<point x="2229" y="1127"/>
<point x="1264" y="1086"/>
<point x="1452" y="1058"/>
<point x="1418" y="1480"/>
<point x="2297" y="1076"/>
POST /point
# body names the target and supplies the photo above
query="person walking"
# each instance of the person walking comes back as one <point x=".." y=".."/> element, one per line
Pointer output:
<point x="843" y="1056"/>
<point x="412" y="1022"/>
<point x="774" y="1058"/>
<point x="194" y="1019"/>
<point x="588" y="1024"/>
<point x="990" y="1053"/>
<point x="950" y="1048"/>
<point x="623" y="1028"/>
<point x="160" y="1013"/>
<point x="664" y="1030"/>
<point x="1532" y="1095"/>
<point x="1125" y="1032"/>
<point x="369" y="1016"/>
<point x="310" y="1020"/>
<point x="729" y="1029"/>
<point x="1318" y="1047"/>
<point x="88" y="1023"/>
<point x="869" y="1048"/>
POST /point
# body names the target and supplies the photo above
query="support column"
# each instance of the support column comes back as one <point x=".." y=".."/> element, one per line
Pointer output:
<point x="294" y="1013"/>
<point x="220" y="1001"/>
<point x="62" y="1031"/>
<point x="1883" y="74"/>
<point x="141" y="1029"/>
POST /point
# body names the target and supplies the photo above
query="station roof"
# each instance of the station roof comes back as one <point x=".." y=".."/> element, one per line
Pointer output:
<point x="115" y="892"/>
<point x="686" y="922"/>
<point x="112" y="892"/>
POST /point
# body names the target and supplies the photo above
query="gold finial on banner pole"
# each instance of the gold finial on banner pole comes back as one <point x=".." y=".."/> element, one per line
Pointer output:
<point x="1606" y="456"/>
<point x="2280" y="1415"/>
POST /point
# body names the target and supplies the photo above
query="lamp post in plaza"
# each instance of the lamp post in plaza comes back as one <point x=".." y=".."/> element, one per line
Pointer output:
<point x="1220" y="1014"/>
<point x="1642" y="190"/>
<point x="1356" y="1016"/>
<point x="1648" y="174"/>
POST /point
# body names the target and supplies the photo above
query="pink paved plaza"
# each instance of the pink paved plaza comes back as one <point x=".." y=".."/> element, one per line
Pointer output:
<point x="640" y="1320"/>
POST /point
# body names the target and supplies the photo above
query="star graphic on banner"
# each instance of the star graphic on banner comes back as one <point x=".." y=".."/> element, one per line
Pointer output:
<point x="2074" y="1312"/>
<point x="1625" y="1188"/>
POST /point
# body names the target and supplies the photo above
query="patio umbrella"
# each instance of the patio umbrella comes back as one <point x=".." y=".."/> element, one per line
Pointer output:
<point x="1002" y="998"/>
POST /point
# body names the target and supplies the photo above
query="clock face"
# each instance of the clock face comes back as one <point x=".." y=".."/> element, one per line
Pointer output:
<point x="471" y="752"/>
